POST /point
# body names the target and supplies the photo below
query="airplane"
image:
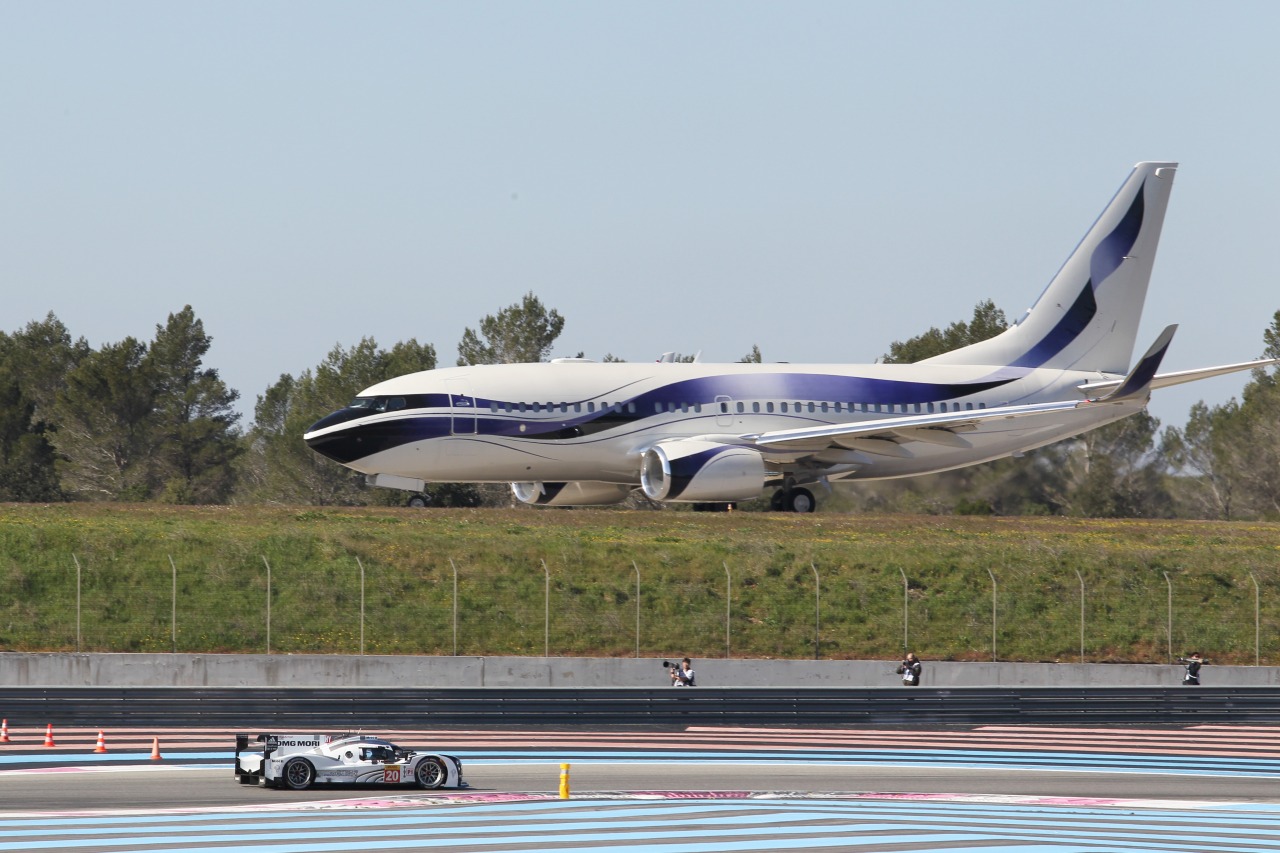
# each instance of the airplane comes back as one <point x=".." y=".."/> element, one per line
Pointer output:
<point x="574" y="432"/>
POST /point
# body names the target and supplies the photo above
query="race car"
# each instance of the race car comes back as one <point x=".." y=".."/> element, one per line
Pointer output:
<point x="299" y="761"/>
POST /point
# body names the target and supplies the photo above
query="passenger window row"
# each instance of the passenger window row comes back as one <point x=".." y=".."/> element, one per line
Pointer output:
<point x="562" y="408"/>
<point x="757" y="407"/>
<point x="840" y="408"/>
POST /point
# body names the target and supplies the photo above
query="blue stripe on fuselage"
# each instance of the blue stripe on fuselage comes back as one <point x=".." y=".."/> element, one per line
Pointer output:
<point x="361" y="440"/>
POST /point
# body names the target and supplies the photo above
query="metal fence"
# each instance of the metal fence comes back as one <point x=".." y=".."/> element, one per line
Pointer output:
<point x="334" y="602"/>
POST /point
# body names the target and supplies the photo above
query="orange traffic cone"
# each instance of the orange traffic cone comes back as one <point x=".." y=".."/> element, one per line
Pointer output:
<point x="4" y="731"/>
<point x="102" y="742"/>
<point x="48" y="736"/>
<point x="155" y="749"/>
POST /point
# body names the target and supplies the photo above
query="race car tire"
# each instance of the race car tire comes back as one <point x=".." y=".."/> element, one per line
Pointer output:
<point x="431" y="773"/>
<point x="298" y="774"/>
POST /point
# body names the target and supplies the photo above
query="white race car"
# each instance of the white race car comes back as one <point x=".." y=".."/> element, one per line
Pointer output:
<point x="299" y="761"/>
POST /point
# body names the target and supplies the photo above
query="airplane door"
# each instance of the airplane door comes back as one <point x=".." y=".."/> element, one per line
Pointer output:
<point x="724" y="410"/>
<point x="462" y="406"/>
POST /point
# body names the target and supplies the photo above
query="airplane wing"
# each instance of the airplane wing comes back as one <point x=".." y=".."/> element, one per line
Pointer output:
<point x="887" y="437"/>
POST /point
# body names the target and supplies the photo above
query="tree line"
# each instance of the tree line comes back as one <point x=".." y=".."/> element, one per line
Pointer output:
<point x="149" y="421"/>
<point x="131" y="421"/>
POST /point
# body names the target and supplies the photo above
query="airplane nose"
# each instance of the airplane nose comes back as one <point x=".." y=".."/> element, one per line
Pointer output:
<point x="340" y="445"/>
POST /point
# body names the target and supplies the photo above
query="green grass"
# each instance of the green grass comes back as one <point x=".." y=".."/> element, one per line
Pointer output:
<point x="127" y="599"/>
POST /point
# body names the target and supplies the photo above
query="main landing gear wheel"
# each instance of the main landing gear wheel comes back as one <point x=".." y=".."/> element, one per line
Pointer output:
<point x="299" y="774"/>
<point x="793" y="500"/>
<point x="801" y="500"/>
<point x="431" y="773"/>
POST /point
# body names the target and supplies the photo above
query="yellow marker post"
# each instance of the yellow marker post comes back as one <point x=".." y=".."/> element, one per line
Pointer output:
<point x="564" y="781"/>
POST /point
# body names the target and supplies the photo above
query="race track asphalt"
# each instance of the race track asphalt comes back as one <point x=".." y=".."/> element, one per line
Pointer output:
<point x="782" y="789"/>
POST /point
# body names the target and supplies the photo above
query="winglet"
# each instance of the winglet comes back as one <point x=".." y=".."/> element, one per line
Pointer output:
<point x="1138" y="382"/>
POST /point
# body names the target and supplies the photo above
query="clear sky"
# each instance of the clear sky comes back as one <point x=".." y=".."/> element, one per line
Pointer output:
<point x="816" y="178"/>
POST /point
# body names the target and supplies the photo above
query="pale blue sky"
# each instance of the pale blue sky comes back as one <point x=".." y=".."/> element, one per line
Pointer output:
<point x="819" y="179"/>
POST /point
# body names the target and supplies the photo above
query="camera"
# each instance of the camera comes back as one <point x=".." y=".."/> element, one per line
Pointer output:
<point x="680" y="677"/>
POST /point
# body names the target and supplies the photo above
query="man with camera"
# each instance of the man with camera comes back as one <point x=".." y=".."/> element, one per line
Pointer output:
<point x="1193" y="663"/>
<point x="681" y="673"/>
<point x="910" y="670"/>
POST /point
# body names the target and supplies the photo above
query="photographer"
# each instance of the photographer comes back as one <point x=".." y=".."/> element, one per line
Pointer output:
<point x="1193" y="662"/>
<point x="681" y="674"/>
<point x="910" y="670"/>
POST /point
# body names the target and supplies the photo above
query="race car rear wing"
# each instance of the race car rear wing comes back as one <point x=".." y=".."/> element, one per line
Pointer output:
<point x="248" y="762"/>
<point x="252" y="751"/>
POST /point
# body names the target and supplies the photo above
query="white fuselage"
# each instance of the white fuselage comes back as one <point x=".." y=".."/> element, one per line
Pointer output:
<point x="576" y="420"/>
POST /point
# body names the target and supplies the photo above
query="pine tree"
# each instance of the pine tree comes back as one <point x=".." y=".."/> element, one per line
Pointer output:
<point x="1231" y="452"/>
<point x="194" y="422"/>
<point x="27" y="471"/>
<point x="103" y="418"/>
<point x="520" y="333"/>
<point x="987" y="322"/>
<point x="34" y="363"/>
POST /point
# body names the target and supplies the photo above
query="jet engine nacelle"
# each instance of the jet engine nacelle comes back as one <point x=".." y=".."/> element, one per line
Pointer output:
<point x="701" y="471"/>
<point x="577" y="493"/>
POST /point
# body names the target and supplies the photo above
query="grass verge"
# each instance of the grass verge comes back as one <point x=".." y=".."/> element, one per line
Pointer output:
<point x="747" y="581"/>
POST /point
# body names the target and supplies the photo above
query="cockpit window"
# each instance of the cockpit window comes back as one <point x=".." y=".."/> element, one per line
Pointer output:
<point x="378" y="404"/>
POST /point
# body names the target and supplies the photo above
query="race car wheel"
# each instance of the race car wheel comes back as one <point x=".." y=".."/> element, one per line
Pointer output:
<point x="431" y="773"/>
<point x="299" y="774"/>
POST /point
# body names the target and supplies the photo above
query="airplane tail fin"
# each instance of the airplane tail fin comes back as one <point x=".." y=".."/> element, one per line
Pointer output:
<point x="1087" y="318"/>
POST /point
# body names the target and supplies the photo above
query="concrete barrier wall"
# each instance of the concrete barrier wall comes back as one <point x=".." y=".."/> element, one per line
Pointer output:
<point x="183" y="670"/>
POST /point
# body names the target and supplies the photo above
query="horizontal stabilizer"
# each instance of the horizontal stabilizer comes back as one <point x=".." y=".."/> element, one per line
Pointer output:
<point x="1138" y="382"/>
<point x="1165" y="380"/>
